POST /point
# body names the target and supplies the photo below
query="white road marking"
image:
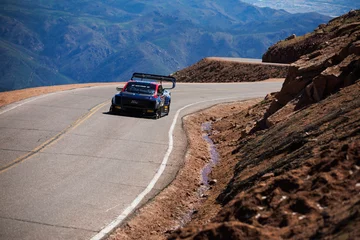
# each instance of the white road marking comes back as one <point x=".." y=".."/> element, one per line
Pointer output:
<point x="109" y="228"/>
<point x="23" y="102"/>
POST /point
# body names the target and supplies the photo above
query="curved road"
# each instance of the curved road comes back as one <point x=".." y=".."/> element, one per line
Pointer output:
<point x="69" y="170"/>
<point x="247" y="61"/>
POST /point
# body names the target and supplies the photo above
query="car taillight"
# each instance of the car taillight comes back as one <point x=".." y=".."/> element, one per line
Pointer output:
<point x="123" y="90"/>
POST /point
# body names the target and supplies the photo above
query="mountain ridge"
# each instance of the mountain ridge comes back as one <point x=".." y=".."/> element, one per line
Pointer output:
<point x="87" y="41"/>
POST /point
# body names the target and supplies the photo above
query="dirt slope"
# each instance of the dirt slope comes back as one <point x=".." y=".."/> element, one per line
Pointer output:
<point x="214" y="70"/>
<point x="297" y="180"/>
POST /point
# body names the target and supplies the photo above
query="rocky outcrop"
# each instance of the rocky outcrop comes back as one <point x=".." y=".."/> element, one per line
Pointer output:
<point x="293" y="47"/>
<point x="334" y="64"/>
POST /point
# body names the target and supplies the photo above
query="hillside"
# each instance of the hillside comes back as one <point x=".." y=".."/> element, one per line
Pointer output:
<point x="54" y="42"/>
<point x="333" y="8"/>
<point x="212" y="69"/>
<point x="290" y="50"/>
<point x="289" y="164"/>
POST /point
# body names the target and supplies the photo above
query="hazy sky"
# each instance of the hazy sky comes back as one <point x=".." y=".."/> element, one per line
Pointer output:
<point x="327" y="7"/>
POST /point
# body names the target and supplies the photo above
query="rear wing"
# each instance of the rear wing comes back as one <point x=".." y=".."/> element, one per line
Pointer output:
<point x="160" y="78"/>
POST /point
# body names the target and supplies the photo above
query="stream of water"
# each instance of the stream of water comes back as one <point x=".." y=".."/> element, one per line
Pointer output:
<point x="214" y="158"/>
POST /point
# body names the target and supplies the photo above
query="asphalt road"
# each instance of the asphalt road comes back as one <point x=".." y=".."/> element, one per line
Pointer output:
<point x="69" y="170"/>
<point x="247" y="60"/>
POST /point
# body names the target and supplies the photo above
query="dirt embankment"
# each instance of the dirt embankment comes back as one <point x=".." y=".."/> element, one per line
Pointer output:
<point x="300" y="179"/>
<point x="210" y="70"/>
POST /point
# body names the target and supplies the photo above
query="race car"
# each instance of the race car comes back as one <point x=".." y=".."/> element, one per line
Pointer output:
<point x="144" y="94"/>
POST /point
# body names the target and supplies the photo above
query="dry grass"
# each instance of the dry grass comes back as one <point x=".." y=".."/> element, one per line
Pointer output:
<point x="18" y="95"/>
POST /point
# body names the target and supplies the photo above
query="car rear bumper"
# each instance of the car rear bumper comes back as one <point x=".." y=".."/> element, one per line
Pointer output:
<point x="134" y="110"/>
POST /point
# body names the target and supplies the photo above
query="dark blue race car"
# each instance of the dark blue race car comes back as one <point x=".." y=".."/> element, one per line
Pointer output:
<point x="144" y="94"/>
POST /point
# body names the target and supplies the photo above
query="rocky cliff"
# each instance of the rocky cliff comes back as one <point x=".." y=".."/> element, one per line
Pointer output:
<point x="330" y="64"/>
<point x="293" y="47"/>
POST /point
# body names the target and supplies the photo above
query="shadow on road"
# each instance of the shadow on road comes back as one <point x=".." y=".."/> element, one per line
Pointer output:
<point x="130" y="115"/>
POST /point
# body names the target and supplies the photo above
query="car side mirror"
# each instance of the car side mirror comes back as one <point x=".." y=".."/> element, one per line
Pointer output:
<point x="119" y="89"/>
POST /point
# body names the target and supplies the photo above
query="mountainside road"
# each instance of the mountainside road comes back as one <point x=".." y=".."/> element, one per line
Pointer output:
<point x="68" y="169"/>
<point x="246" y="60"/>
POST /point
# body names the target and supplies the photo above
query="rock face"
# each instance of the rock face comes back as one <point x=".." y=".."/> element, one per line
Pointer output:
<point x="293" y="47"/>
<point x="327" y="67"/>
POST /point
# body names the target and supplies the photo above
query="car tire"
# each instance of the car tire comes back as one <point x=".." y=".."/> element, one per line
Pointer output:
<point x="168" y="111"/>
<point x="157" y="114"/>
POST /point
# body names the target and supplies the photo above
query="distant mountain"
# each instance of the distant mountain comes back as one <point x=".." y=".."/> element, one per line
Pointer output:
<point x="326" y="7"/>
<point x="55" y="42"/>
